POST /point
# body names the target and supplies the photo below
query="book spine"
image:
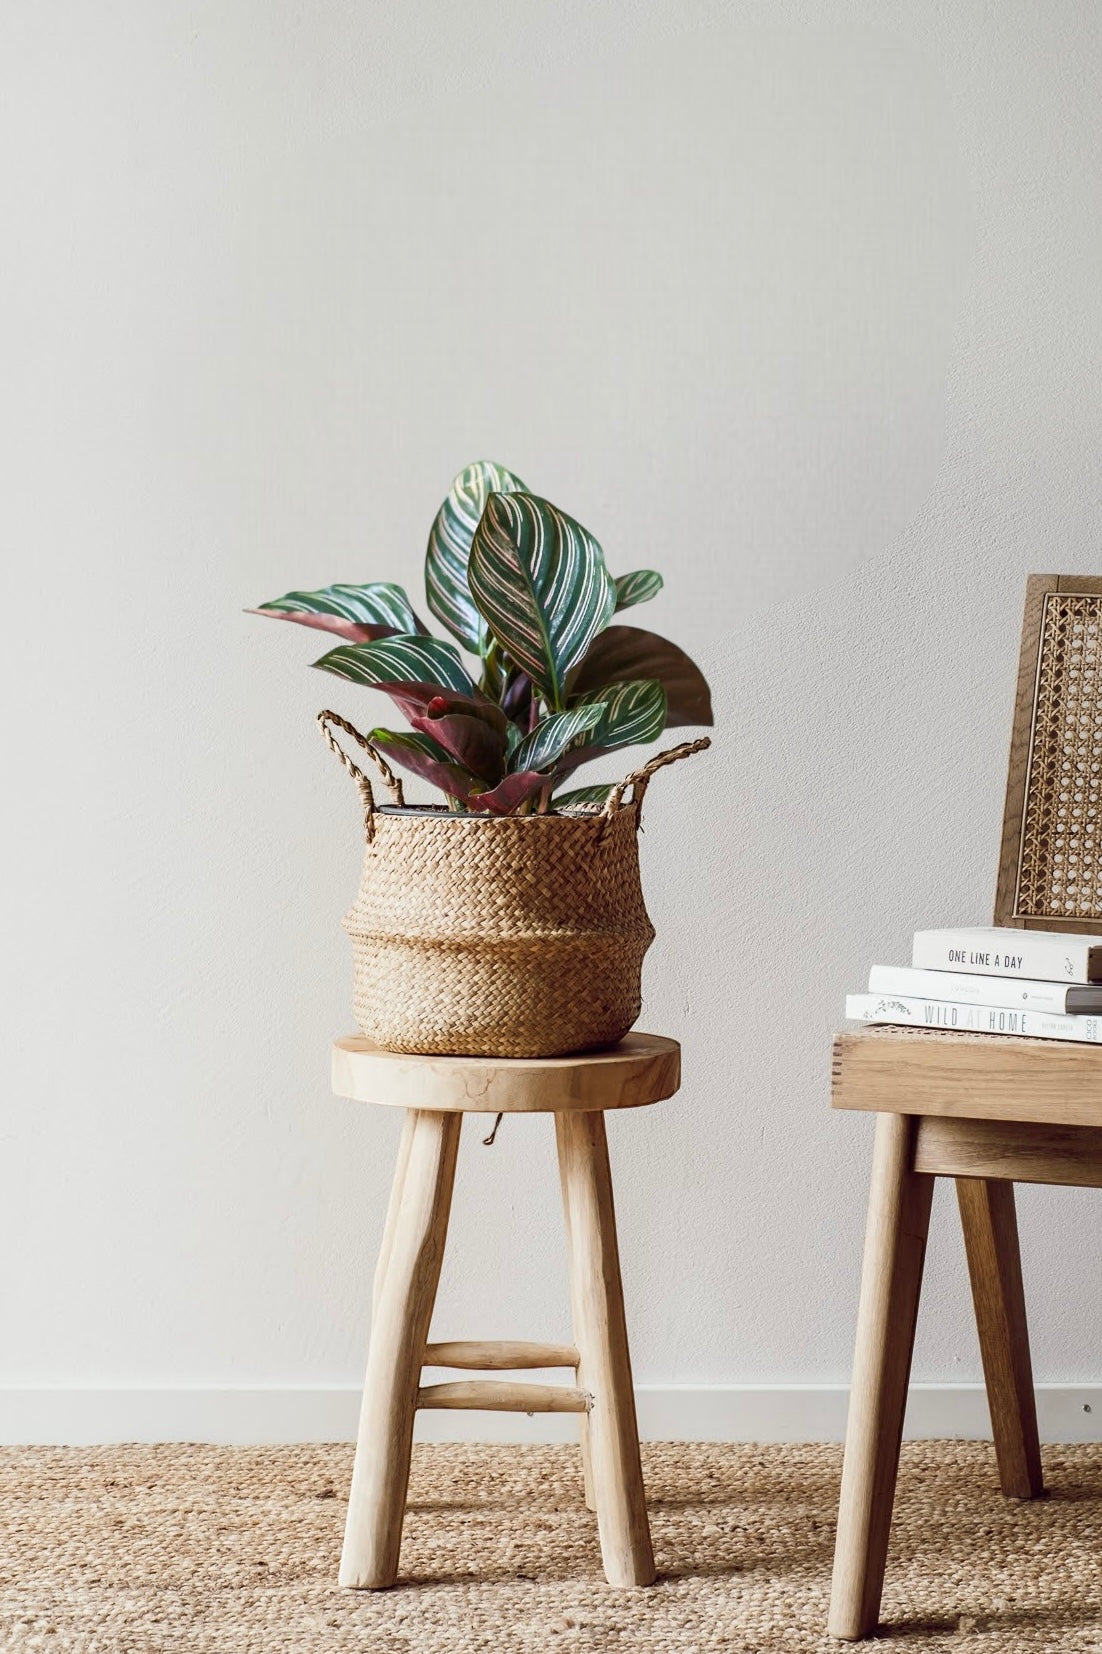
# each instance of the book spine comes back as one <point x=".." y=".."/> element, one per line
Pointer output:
<point x="1016" y="993"/>
<point x="1064" y="960"/>
<point x="907" y="1011"/>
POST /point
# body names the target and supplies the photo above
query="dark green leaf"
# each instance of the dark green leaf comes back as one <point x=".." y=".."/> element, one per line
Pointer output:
<point x="539" y="580"/>
<point x="449" y="548"/>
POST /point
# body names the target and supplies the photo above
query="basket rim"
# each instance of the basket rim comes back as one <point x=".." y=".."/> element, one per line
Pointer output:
<point x="439" y="812"/>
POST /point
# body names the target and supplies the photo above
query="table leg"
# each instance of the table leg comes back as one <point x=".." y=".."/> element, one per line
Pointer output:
<point x="895" y="1247"/>
<point x="995" y="1269"/>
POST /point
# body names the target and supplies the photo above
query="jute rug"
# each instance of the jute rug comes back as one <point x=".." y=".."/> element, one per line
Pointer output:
<point x="137" y="1549"/>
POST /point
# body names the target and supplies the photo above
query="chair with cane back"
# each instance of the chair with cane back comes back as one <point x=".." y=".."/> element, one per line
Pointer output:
<point x="985" y="1109"/>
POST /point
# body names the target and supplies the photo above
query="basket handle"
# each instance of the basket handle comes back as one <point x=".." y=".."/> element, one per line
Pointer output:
<point x="639" y="780"/>
<point x="326" y="721"/>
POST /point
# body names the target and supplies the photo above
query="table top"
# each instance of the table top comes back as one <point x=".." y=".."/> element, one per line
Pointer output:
<point x="897" y="1070"/>
<point x="642" y="1069"/>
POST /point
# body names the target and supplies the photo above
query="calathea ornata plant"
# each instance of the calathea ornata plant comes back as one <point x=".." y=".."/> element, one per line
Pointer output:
<point x="525" y="591"/>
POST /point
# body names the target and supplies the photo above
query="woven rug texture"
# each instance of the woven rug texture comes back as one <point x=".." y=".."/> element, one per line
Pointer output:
<point x="191" y="1548"/>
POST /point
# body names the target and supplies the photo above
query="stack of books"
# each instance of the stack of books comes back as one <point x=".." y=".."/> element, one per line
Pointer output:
<point x="1035" y="983"/>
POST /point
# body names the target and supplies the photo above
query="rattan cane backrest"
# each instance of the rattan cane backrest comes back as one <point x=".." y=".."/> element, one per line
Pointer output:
<point x="1050" y="868"/>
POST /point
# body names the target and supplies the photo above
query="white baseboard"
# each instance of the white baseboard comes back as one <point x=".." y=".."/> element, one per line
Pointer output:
<point x="671" y="1412"/>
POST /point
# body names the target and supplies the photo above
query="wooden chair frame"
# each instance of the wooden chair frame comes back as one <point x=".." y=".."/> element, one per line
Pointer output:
<point x="988" y="1111"/>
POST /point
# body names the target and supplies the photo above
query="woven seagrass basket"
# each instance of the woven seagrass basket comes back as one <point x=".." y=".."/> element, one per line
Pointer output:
<point x="501" y="936"/>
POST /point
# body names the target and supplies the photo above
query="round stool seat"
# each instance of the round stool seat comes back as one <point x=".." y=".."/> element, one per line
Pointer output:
<point x="643" y="1068"/>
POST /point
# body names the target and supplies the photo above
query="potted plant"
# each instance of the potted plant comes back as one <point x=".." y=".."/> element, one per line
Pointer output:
<point x="508" y="921"/>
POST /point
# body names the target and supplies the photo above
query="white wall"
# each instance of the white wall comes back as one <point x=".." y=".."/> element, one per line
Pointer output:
<point x="798" y="303"/>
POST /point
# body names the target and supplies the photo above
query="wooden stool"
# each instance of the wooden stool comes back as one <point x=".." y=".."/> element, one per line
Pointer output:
<point x="436" y="1092"/>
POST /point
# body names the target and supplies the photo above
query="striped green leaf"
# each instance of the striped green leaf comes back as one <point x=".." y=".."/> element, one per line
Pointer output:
<point x="624" y="654"/>
<point x="639" y="587"/>
<point x="399" y="659"/>
<point x="550" y="739"/>
<point x="358" y="613"/>
<point x="584" y="795"/>
<point x="423" y="756"/>
<point x="631" y="713"/>
<point x="449" y="549"/>
<point x="540" y="582"/>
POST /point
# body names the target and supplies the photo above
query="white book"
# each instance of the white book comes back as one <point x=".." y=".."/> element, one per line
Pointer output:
<point x="904" y="1009"/>
<point x="1041" y="955"/>
<point x="1065" y="999"/>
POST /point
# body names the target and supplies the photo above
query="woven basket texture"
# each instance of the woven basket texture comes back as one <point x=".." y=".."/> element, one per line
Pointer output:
<point x="512" y="936"/>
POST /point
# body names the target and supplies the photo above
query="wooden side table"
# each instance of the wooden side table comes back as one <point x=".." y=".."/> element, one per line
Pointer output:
<point x="436" y="1092"/>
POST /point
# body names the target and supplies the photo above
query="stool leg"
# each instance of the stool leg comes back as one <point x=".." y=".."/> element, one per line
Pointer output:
<point x="995" y="1268"/>
<point x="406" y="1292"/>
<point x="394" y="1206"/>
<point x="587" y="1456"/>
<point x="583" y="1418"/>
<point x="895" y="1247"/>
<point x="600" y="1333"/>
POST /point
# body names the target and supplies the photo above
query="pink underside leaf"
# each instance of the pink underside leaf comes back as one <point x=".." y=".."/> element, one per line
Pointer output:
<point x="473" y="706"/>
<point x="469" y="740"/>
<point x="451" y="779"/>
<point x="509" y="794"/>
<point x="518" y="699"/>
<point x="415" y="699"/>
